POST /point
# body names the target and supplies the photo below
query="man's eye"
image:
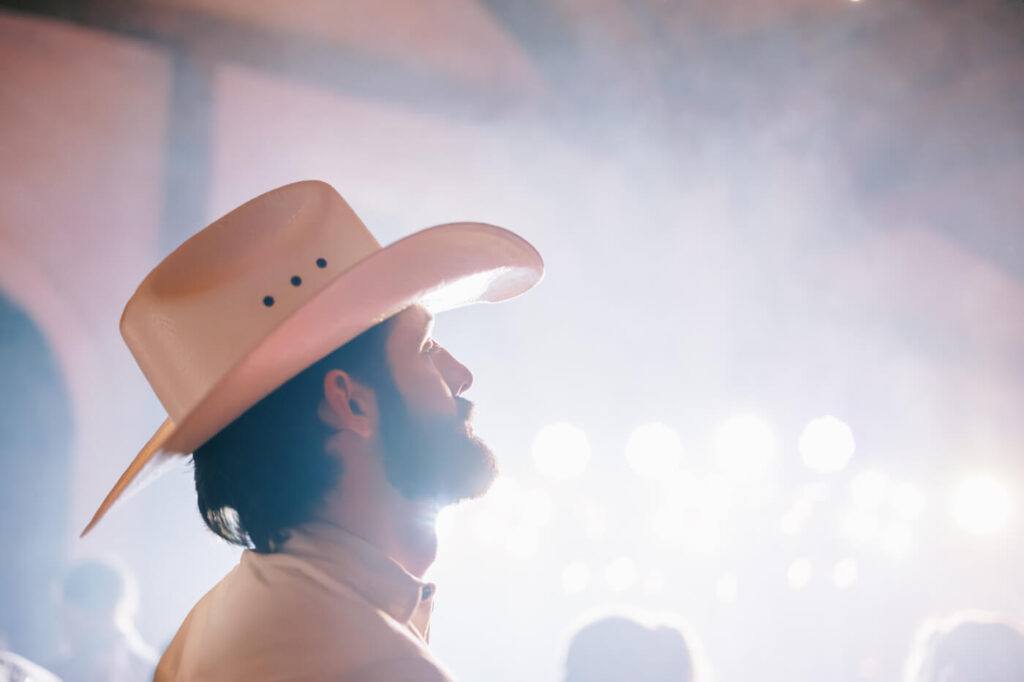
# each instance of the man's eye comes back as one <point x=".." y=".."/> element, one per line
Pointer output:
<point x="430" y="346"/>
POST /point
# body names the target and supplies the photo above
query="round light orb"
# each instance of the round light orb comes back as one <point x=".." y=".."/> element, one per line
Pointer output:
<point x="576" y="577"/>
<point x="504" y="494"/>
<point x="861" y="525"/>
<point x="522" y="542"/>
<point x="654" y="583"/>
<point x="716" y="497"/>
<point x="826" y="445"/>
<point x="670" y="523"/>
<point x="845" y="573"/>
<point x="799" y="574"/>
<point x="868" y="489"/>
<point x="745" y="446"/>
<point x="981" y="505"/>
<point x="727" y="588"/>
<point x="489" y="528"/>
<point x="561" y="451"/>
<point x="795" y="519"/>
<point x="897" y="538"/>
<point x="907" y="501"/>
<point x="535" y="507"/>
<point x="620" y="574"/>
<point x="654" y="451"/>
<point x="705" y="537"/>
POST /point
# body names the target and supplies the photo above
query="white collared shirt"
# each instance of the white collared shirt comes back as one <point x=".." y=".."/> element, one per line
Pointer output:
<point x="327" y="606"/>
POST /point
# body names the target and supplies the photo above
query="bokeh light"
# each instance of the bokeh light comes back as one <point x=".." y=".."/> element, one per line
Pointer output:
<point x="654" y="451"/>
<point x="654" y="583"/>
<point x="897" y="538"/>
<point x="576" y="577"/>
<point x="981" y="504"/>
<point x="799" y="574"/>
<point x="620" y="575"/>
<point x="535" y="507"/>
<point x="868" y="489"/>
<point x="845" y="573"/>
<point x="861" y="525"/>
<point x="826" y="445"/>
<point x="907" y="501"/>
<point x="522" y="542"/>
<point x="727" y="588"/>
<point x="489" y="528"/>
<point x="745" y="446"/>
<point x="561" y="451"/>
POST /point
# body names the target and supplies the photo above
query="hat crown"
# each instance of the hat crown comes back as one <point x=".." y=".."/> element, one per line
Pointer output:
<point x="207" y="304"/>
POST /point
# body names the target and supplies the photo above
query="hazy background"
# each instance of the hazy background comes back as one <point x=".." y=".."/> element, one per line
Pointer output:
<point x="780" y="209"/>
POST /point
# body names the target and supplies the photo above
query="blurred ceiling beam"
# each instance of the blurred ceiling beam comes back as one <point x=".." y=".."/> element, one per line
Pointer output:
<point x="199" y="42"/>
<point x="296" y="57"/>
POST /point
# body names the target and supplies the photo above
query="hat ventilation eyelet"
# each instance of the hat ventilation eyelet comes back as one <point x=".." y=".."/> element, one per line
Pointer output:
<point x="268" y="301"/>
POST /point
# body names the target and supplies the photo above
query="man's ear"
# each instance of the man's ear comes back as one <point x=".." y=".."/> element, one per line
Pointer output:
<point x="347" y="404"/>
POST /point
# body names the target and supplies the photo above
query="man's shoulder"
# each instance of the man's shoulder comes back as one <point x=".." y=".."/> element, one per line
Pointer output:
<point x="273" y="614"/>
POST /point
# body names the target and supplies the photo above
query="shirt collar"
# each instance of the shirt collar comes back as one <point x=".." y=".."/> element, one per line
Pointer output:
<point x="355" y="562"/>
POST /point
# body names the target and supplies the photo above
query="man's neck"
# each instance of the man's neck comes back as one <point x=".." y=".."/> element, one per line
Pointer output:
<point x="367" y="506"/>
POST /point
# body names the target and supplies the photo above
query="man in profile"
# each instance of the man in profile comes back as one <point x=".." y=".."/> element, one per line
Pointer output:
<point x="295" y="358"/>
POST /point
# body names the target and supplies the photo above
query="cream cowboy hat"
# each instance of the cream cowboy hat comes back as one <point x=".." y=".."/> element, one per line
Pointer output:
<point x="277" y="284"/>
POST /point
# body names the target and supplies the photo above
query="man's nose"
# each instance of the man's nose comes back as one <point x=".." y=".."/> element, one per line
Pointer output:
<point x="456" y="375"/>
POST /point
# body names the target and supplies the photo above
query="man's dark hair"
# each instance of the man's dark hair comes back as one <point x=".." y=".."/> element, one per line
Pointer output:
<point x="268" y="471"/>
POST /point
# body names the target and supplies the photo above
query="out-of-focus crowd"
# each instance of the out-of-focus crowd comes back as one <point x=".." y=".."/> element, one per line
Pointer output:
<point x="100" y="643"/>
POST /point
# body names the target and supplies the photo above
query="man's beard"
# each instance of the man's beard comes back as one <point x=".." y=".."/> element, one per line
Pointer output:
<point x="432" y="457"/>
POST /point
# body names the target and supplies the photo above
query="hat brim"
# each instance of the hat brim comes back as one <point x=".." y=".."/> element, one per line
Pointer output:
<point x="441" y="268"/>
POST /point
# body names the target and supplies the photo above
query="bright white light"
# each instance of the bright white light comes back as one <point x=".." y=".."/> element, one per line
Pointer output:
<point x="744" y="446"/>
<point x="489" y="529"/>
<point x="593" y="518"/>
<point x="680" y="485"/>
<point x="715" y="497"/>
<point x="654" y="451"/>
<point x="796" y="518"/>
<point x="897" y="538"/>
<point x="705" y="537"/>
<point x="868" y="488"/>
<point x="535" y="507"/>
<point x="670" y="523"/>
<point x="907" y="501"/>
<point x="445" y="524"/>
<point x="575" y="577"/>
<point x="845" y="573"/>
<point x="799" y="573"/>
<point x="826" y="445"/>
<point x="522" y="542"/>
<point x="561" y="451"/>
<point x="727" y="588"/>
<point x="860" y="525"/>
<point x="654" y="583"/>
<point x="620" y="574"/>
<point x="981" y="505"/>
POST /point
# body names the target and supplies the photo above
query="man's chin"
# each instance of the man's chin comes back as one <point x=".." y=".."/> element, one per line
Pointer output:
<point x="472" y="479"/>
<point x="462" y="468"/>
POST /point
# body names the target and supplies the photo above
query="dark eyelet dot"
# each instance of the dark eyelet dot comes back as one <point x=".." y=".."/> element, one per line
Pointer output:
<point x="296" y="281"/>
<point x="321" y="263"/>
<point x="268" y="301"/>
